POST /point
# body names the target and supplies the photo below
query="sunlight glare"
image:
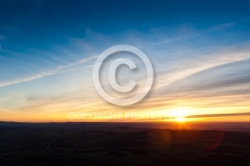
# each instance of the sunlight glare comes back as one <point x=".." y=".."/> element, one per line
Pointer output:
<point x="179" y="114"/>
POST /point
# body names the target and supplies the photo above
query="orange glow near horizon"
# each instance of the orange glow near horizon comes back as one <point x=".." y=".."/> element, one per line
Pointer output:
<point x="179" y="114"/>
<point x="174" y="114"/>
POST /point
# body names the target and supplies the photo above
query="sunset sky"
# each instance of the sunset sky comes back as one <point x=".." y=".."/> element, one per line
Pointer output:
<point x="200" y="52"/>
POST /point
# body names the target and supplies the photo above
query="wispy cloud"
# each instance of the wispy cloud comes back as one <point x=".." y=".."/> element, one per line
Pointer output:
<point x="46" y="73"/>
<point x="201" y="64"/>
<point x="219" y="115"/>
<point x="2" y="37"/>
<point x="221" y="27"/>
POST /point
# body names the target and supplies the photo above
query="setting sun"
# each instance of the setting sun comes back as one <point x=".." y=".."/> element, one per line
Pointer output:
<point x="179" y="114"/>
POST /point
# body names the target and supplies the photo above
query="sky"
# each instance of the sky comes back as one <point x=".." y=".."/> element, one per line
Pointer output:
<point x="200" y="51"/>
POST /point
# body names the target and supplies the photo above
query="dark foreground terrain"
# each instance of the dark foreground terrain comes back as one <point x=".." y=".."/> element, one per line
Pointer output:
<point x="81" y="144"/>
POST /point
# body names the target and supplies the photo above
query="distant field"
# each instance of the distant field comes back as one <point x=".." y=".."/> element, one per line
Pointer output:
<point x="38" y="146"/>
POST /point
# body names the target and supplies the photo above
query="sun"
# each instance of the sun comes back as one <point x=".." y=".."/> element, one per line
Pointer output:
<point x="179" y="114"/>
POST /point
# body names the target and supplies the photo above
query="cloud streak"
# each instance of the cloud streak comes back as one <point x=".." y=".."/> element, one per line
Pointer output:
<point x="200" y="65"/>
<point x="46" y="73"/>
<point x="219" y="115"/>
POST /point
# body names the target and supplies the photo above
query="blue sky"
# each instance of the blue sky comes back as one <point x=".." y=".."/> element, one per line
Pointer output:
<point x="47" y="49"/>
